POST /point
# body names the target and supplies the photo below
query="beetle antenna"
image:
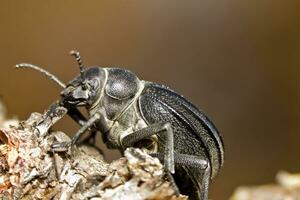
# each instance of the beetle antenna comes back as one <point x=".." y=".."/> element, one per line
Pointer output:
<point x="77" y="56"/>
<point x="43" y="71"/>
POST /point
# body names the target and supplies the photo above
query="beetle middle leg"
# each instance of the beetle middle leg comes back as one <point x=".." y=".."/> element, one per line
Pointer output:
<point x="158" y="128"/>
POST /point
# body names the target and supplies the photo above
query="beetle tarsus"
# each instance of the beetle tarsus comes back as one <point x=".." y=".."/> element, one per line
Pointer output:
<point x="60" y="146"/>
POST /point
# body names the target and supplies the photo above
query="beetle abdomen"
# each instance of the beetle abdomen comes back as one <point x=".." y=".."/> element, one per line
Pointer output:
<point x="194" y="133"/>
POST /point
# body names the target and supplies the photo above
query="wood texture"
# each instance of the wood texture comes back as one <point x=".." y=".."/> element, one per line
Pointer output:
<point x="30" y="169"/>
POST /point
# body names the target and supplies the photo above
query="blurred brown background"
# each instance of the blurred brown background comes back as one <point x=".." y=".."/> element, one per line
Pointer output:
<point x="237" y="60"/>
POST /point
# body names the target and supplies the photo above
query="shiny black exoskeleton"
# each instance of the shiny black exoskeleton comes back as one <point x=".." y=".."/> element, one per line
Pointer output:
<point x="129" y="112"/>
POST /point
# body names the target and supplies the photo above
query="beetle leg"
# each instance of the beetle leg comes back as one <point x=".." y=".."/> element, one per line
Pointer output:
<point x="158" y="128"/>
<point x="86" y="126"/>
<point x="74" y="113"/>
<point x="77" y="116"/>
<point x="197" y="163"/>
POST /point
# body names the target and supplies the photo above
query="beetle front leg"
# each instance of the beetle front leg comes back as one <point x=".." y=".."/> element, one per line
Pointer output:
<point x="158" y="128"/>
<point x="77" y="116"/>
<point x="80" y="119"/>
<point x="195" y="162"/>
<point x="86" y="126"/>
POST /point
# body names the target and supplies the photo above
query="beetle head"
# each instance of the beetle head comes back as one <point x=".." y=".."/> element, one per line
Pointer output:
<point x="85" y="88"/>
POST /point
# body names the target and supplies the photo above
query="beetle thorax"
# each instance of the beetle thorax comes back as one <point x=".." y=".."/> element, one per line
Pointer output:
<point x="117" y="103"/>
<point x="127" y="123"/>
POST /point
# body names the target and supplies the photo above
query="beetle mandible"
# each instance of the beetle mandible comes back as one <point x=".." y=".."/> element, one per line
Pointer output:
<point x="130" y="112"/>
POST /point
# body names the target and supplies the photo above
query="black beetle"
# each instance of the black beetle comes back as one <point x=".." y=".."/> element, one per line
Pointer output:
<point x="132" y="112"/>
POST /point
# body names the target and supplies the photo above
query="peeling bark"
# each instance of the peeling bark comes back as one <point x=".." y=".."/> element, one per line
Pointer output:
<point x="30" y="169"/>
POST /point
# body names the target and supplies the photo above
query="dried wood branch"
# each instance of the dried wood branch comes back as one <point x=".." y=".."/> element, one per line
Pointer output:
<point x="30" y="169"/>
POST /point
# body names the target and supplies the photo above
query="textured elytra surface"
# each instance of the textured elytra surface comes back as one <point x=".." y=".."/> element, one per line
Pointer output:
<point x="191" y="127"/>
<point x="194" y="134"/>
<point x="29" y="169"/>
